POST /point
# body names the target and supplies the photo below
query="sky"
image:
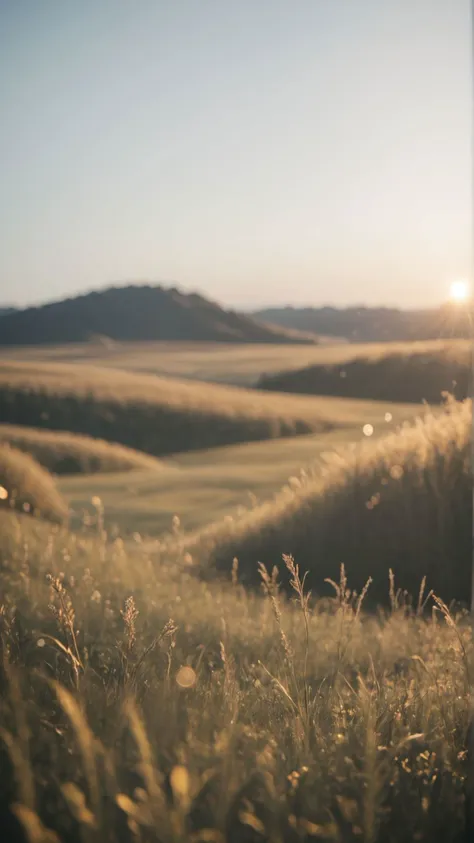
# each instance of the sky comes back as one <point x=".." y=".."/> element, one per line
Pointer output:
<point x="262" y="152"/>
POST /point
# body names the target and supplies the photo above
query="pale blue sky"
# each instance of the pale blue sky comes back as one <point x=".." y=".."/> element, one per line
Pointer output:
<point x="260" y="151"/>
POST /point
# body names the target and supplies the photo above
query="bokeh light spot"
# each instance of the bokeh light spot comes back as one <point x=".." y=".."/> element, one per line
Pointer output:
<point x="186" y="677"/>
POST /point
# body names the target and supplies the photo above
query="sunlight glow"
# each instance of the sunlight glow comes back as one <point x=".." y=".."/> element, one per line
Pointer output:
<point x="459" y="291"/>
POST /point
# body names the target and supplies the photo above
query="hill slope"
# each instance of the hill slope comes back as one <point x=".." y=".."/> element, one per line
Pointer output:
<point x="61" y="452"/>
<point x="204" y="486"/>
<point x="403" y="502"/>
<point x="415" y="373"/>
<point x="26" y="486"/>
<point x="364" y="324"/>
<point x="136" y="313"/>
<point x="159" y="415"/>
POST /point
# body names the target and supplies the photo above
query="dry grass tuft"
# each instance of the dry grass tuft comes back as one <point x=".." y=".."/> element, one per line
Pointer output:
<point x="402" y="502"/>
<point x="68" y="453"/>
<point x="247" y="717"/>
<point x="26" y="486"/>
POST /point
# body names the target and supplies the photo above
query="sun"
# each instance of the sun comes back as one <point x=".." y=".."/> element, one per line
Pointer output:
<point x="459" y="291"/>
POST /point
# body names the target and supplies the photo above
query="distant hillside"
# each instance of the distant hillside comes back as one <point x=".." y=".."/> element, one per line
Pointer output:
<point x="136" y="313"/>
<point x="362" y="324"/>
<point x="415" y="371"/>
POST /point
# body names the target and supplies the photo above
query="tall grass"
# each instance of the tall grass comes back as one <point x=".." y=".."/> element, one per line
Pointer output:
<point x="192" y="711"/>
<point x="404" y="502"/>
<point x="68" y="453"/>
<point x="26" y="486"/>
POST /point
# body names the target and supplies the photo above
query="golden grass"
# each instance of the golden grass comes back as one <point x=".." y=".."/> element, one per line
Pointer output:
<point x="158" y="415"/>
<point x="207" y="485"/>
<point x="139" y="703"/>
<point x="404" y="502"/>
<point x="25" y="485"/>
<point x="68" y="453"/>
<point x="224" y="362"/>
<point x="411" y="372"/>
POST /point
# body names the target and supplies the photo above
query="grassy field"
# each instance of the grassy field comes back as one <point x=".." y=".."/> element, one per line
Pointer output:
<point x="66" y="453"/>
<point x="154" y="690"/>
<point x="207" y="485"/>
<point x="142" y="704"/>
<point x="411" y="373"/>
<point x="159" y="415"/>
<point x="406" y="498"/>
<point x="220" y="362"/>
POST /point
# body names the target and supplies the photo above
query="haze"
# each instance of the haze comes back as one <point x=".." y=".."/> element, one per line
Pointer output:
<point x="304" y="152"/>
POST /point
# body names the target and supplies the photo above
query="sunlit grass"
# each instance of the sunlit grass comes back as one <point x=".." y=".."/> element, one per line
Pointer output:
<point x="403" y="501"/>
<point x="206" y="485"/>
<point x="151" y="696"/>
<point x="66" y="453"/>
<point x="27" y="486"/>
<point x="158" y="415"/>
<point x="225" y="362"/>
<point x="141" y="703"/>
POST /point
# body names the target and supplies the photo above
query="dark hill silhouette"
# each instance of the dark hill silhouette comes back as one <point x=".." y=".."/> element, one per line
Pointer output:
<point x="137" y="313"/>
<point x="412" y="373"/>
<point x="363" y="324"/>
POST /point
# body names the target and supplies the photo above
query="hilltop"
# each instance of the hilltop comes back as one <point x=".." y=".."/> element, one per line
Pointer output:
<point x="371" y="324"/>
<point x="137" y="313"/>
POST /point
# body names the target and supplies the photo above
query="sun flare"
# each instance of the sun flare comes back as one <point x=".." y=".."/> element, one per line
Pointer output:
<point x="459" y="291"/>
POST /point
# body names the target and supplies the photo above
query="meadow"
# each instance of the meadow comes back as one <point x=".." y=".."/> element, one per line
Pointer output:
<point x="200" y="486"/>
<point x="159" y="415"/>
<point x="166" y="673"/>
<point x="406" y="499"/>
<point x="140" y="702"/>
<point x="228" y="363"/>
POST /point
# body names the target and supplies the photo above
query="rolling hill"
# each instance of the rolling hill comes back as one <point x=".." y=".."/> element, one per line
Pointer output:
<point x="61" y="452"/>
<point x="417" y="372"/>
<point x="27" y="487"/>
<point x="366" y="324"/>
<point x="137" y="313"/>
<point x="208" y="485"/>
<point x="405" y="499"/>
<point x="159" y="415"/>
